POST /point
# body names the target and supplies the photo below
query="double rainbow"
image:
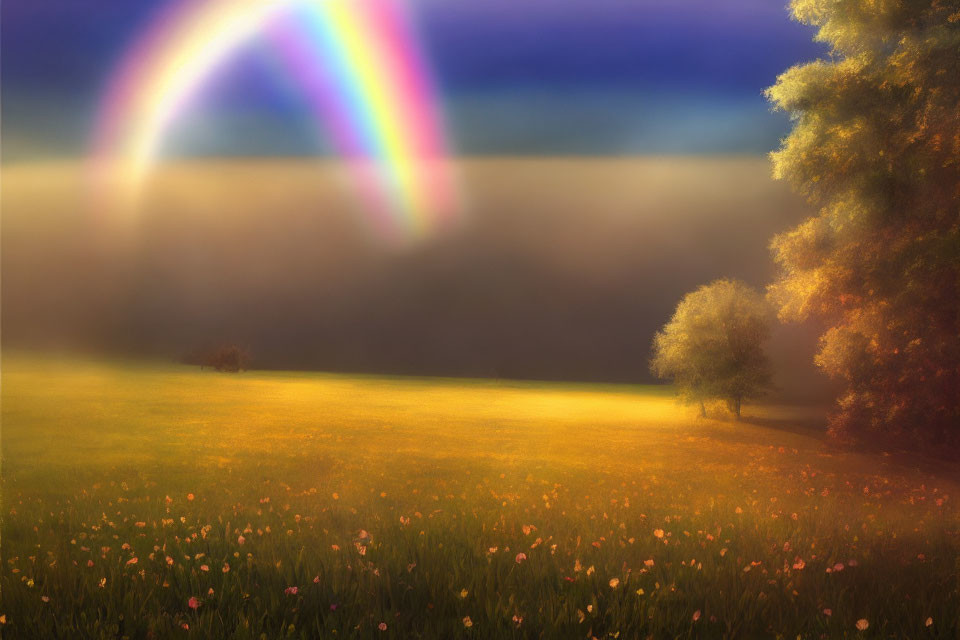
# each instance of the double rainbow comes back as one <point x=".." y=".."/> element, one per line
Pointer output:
<point x="357" y="63"/>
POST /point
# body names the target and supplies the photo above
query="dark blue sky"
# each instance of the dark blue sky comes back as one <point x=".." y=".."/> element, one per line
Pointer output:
<point x="516" y="76"/>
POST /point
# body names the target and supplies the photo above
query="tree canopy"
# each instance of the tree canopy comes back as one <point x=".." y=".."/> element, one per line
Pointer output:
<point x="875" y="147"/>
<point x="712" y="348"/>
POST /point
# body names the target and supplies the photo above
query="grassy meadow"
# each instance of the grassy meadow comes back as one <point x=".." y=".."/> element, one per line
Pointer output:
<point x="154" y="501"/>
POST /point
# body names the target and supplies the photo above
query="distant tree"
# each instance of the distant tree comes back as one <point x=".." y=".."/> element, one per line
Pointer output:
<point x="229" y="357"/>
<point x="876" y="148"/>
<point x="712" y="348"/>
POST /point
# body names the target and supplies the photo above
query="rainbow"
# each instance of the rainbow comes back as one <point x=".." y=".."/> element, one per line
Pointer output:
<point x="358" y="65"/>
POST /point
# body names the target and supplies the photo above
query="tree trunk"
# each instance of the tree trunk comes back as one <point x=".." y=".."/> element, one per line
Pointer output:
<point x="703" y="410"/>
<point x="737" y="405"/>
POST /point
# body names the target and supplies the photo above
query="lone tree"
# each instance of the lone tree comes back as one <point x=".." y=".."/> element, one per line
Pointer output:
<point x="228" y="357"/>
<point x="876" y="148"/>
<point x="712" y="348"/>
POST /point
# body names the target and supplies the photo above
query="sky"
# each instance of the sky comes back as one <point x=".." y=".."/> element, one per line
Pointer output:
<point x="532" y="77"/>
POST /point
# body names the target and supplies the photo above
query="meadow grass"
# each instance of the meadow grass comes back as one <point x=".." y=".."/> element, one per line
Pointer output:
<point x="153" y="501"/>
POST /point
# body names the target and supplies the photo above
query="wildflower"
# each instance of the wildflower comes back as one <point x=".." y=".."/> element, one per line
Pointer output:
<point x="614" y="583"/>
<point x="577" y="567"/>
<point x="382" y="626"/>
<point x="648" y="563"/>
<point x="103" y="582"/>
<point x="316" y="579"/>
<point x="521" y="557"/>
<point x="928" y="623"/>
<point x="696" y="615"/>
<point x="193" y="603"/>
<point x="45" y="598"/>
<point x="838" y="567"/>
<point x="204" y="567"/>
<point x="335" y="547"/>
<point x="3" y="618"/>
<point x="226" y="567"/>
<point x="590" y="570"/>
<point x="463" y="593"/>
<point x="89" y="563"/>
<point x="132" y="561"/>
<point x="291" y="591"/>
<point x="738" y="510"/>
<point x="333" y="607"/>
<point x="862" y="624"/>
<point x="467" y="622"/>
<point x="492" y="550"/>
<point x="189" y="496"/>
<point x="828" y="612"/>
<point x="185" y="626"/>
<point x="517" y="620"/>
<point x="640" y="592"/>
<point x="210" y="591"/>
<point x="658" y="533"/>
<point x="241" y="540"/>
<point x="169" y="561"/>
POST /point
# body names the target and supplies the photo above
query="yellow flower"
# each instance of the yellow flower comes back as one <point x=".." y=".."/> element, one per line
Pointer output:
<point x="614" y="583"/>
<point x="467" y="622"/>
<point x="463" y="593"/>
<point x="862" y="624"/>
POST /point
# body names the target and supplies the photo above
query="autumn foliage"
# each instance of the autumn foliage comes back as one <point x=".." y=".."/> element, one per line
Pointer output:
<point x="876" y="147"/>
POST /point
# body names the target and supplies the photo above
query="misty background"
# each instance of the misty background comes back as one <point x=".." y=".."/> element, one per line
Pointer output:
<point x="563" y="268"/>
<point x="611" y="153"/>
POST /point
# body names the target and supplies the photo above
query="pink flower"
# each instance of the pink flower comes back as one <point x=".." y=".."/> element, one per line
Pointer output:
<point x="382" y="626"/>
<point x="862" y="624"/>
<point x="521" y="557"/>
<point x="291" y="591"/>
<point x="828" y="612"/>
<point x="241" y="540"/>
<point x="193" y="603"/>
<point x="696" y="615"/>
<point x="316" y="579"/>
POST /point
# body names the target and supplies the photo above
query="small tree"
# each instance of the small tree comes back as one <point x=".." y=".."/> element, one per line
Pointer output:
<point x="712" y="348"/>
<point x="230" y="358"/>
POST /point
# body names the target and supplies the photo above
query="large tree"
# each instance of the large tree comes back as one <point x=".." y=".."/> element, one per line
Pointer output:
<point x="876" y="148"/>
<point x="712" y="348"/>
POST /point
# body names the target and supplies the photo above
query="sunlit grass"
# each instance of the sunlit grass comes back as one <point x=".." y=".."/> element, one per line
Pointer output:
<point x="405" y="504"/>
